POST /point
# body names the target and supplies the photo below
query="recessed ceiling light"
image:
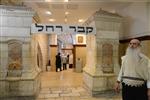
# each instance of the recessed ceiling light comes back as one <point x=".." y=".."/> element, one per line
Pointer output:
<point x="48" y="12"/>
<point x="66" y="20"/>
<point x="52" y="20"/>
<point x="48" y="0"/>
<point x="80" y="20"/>
<point x="56" y="0"/>
<point x="66" y="0"/>
<point x="66" y="13"/>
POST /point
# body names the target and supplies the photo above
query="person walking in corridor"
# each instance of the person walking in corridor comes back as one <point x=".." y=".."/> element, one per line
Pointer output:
<point x="134" y="74"/>
<point x="71" y="61"/>
<point x="64" y="62"/>
<point x="58" y="62"/>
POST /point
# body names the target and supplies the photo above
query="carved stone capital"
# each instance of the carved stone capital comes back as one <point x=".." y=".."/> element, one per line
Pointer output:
<point x="15" y="11"/>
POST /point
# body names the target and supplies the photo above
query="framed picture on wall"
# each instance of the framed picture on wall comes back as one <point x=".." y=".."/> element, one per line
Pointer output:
<point x="80" y="39"/>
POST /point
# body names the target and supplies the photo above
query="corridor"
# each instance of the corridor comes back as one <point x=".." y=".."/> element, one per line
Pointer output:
<point x="68" y="85"/>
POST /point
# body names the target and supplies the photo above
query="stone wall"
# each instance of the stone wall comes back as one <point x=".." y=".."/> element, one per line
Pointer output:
<point x="136" y="20"/>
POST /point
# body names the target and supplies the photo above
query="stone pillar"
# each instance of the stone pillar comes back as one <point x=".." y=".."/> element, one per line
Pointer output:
<point x="19" y="76"/>
<point x="102" y="52"/>
<point x="42" y="40"/>
<point x="53" y="50"/>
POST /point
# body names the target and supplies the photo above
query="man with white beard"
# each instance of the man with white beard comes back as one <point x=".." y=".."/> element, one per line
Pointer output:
<point x="134" y="74"/>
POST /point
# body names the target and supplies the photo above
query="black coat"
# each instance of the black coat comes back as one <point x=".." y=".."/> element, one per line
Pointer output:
<point x="58" y="61"/>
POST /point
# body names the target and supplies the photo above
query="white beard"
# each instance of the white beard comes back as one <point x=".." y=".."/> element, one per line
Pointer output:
<point x="133" y="67"/>
<point x="133" y="57"/>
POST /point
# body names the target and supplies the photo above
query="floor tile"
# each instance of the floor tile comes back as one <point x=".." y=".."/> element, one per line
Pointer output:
<point x="68" y="85"/>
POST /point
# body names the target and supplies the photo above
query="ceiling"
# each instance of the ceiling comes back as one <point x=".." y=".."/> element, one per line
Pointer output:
<point x="77" y="9"/>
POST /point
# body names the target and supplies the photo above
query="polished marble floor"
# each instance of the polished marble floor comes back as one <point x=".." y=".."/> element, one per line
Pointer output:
<point x="68" y="85"/>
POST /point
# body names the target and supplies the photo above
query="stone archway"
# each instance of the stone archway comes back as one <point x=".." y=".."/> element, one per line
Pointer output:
<point x="55" y="29"/>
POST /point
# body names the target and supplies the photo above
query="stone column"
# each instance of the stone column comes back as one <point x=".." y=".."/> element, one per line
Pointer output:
<point x="19" y="76"/>
<point x="102" y="52"/>
<point x="42" y="40"/>
<point x="53" y="50"/>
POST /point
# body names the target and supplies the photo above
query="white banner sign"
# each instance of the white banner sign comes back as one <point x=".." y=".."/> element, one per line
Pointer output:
<point x="59" y="29"/>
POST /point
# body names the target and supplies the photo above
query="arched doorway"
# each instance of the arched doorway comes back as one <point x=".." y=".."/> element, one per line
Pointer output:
<point x="68" y="40"/>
